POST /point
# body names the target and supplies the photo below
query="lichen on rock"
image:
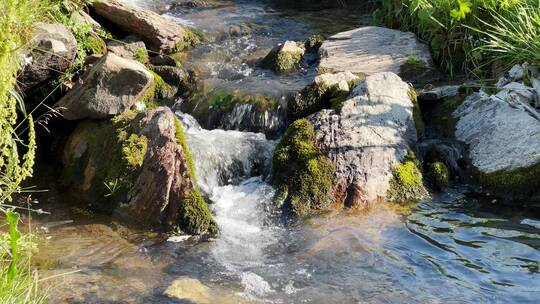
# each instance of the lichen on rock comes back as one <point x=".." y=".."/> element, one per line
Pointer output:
<point x="302" y="171"/>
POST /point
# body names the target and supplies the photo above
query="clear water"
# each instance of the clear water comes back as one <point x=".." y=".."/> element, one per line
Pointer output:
<point x="455" y="248"/>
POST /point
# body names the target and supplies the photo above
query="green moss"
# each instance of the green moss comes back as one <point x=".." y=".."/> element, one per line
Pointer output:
<point x="302" y="170"/>
<point x="141" y="55"/>
<point x="439" y="174"/>
<point x="520" y="182"/>
<point x="190" y="39"/>
<point x="181" y="140"/>
<point x="407" y="181"/>
<point x="134" y="149"/>
<point x="158" y="90"/>
<point x="417" y="112"/>
<point x="195" y="217"/>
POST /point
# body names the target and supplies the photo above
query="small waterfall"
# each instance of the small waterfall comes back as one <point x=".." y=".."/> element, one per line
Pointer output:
<point x="232" y="168"/>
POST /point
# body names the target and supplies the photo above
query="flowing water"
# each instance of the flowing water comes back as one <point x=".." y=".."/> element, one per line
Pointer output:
<point x="454" y="248"/>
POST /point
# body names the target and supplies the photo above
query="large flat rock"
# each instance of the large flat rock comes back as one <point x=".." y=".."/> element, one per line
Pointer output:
<point x="158" y="32"/>
<point x="369" y="50"/>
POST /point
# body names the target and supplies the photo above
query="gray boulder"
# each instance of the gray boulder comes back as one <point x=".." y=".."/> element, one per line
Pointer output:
<point x="502" y="135"/>
<point x="158" y="32"/>
<point x="111" y="86"/>
<point x="137" y="167"/>
<point x="369" y="50"/>
<point x="53" y="50"/>
<point x="369" y="140"/>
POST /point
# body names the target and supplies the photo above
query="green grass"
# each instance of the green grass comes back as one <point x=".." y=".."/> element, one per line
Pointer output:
<point x="469" y="35"/>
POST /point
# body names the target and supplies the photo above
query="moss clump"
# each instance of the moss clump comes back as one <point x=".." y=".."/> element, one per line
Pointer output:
<point x="407" y="181"/>
<point x="191" y="38"/>
<point x="133" y="149"/>
<point x="300" y="169"/>
<point x="194" y="215"/>
<point x="158" y="90"/>
<point x="417" y="112"/>
<point x="521" y="182"/>
<point x="141" y="55"/>
<point x="439" y="174"/>
<point x="181" y="140"/>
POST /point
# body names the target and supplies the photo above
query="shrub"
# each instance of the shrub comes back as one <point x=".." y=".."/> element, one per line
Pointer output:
<point x="465" y="35"/>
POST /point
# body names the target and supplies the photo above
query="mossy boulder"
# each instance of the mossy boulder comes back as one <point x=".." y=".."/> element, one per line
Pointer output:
<point x="369" y="140"/>
<point x="327" y="91"/>
<point x="137" y="167"/>
<point x="302" y="173"/>
<point x="503" y="143"/>
<point x="284" y="58"/>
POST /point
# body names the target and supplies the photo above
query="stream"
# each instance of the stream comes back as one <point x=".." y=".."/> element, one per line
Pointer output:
<point x="454" y="248"/>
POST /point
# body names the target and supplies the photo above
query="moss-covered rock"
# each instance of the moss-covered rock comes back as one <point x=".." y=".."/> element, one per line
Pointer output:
<point x="190" y="39"/>
<point x="138" y="167"/>
<point x="407" y="181"/>
<point x="313" y="43"/>
<point x="302" y="171"/>
<point x="284" y="58"/>
<point x="234" y="110"/>
<point x="327" y="91"/>
<point x="439" y="174"/>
